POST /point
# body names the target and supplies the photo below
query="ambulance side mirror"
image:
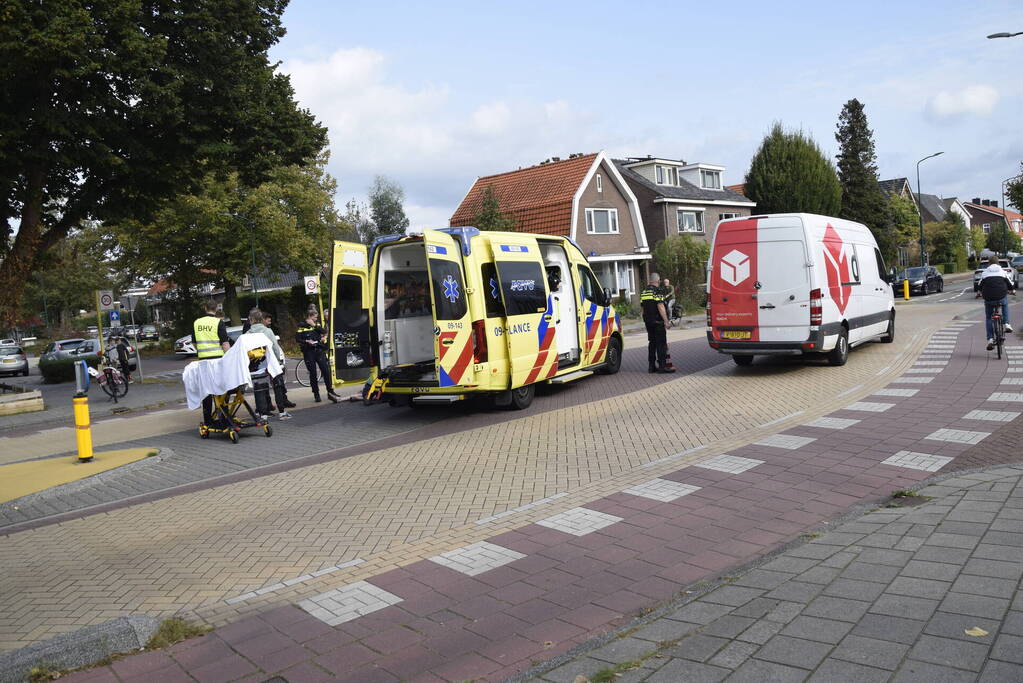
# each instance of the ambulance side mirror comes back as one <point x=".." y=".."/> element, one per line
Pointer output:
<point x="607" y="297"/>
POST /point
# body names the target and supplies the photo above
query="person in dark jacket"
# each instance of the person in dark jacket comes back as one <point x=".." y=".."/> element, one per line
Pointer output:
<point x="655" y="317"/>
<point x="995" y="286"/>
<point x="312" y="339"/>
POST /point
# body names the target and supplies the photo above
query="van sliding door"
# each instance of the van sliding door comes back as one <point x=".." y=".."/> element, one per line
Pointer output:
<point x="529" y="323"/>
<point x="452" y="331"/>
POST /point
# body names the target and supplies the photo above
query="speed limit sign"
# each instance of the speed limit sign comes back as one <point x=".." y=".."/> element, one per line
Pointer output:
<point x="106" y="299"/>
<point x="312" y="284"/>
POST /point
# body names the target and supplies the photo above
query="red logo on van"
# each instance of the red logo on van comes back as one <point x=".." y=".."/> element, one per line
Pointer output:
<point x="836" y="264"/>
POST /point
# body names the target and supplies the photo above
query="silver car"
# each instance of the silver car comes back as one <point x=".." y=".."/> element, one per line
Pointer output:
<point x="13" y="361"/>
<point x="61" y="348"/>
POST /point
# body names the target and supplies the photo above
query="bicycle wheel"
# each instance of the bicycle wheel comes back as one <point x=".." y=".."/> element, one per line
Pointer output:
<point x="113" y="385"/>
<point x="302" y="373"/>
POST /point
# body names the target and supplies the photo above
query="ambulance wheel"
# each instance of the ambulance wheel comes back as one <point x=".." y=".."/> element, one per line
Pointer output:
<point x="613" y="359"/>
<point x="233" y="435"/>
<point x="522" y="397"/>
<point x="268" y="430"/>
<point x="840" y="354"/>
<point x="743" y="360"/>
<point x="889" y="336"/>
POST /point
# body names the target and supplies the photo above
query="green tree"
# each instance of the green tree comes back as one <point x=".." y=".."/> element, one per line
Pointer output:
<point x="862" y="199"/>
<point x="1014" y="191"/>
<point x="789" y="173"/>
<point x="683" y="260"/>
<point x="490" y="216"/>
<point x="385" y="206"/>
<point x="1001" y="239"/>
<point x="904" y="218"/>
<point x="108" y="108"/>
<point x="209" y="237"/>
<point x="946" y="241"/>
<point x="357" y="217"/>
<point x="978" y="240"/>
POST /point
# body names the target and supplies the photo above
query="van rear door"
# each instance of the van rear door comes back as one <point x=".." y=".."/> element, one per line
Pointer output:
<point x="351" y="299"/>
<point x="452" y="332"/>
<point x="529" y="310"/>
<point x="759" y="282"/>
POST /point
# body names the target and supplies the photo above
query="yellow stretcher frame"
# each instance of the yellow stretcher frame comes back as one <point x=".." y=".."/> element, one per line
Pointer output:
<point x="226" y="407"/>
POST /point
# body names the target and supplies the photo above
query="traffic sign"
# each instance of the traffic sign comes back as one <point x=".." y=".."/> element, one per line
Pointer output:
<point x="312" y="284"/>
<point x="106" y="299"/>
<point x="115" y="318"/>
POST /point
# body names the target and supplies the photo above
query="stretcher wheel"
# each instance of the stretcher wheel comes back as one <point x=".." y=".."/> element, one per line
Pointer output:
<point x="204" y="432"/>
<point x="268" y="430"/>
<point x="233" y="435"/>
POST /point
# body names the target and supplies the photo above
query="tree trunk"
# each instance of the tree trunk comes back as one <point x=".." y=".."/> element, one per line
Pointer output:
<point x="231" y="311"/>
<point x="17" y="267"/>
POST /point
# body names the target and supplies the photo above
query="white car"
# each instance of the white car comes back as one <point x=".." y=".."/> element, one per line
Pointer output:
<point x="1010" y="273"/>
<point x="183" y="346"/>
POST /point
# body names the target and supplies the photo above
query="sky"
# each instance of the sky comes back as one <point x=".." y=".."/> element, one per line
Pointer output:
<point x="434" y="95"/>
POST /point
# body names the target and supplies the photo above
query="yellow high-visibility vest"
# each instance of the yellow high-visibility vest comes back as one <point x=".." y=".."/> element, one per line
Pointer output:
<point x="207" y="341"/>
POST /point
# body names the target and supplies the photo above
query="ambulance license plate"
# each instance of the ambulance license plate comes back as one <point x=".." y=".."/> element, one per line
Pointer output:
<point x="736" y="334"/>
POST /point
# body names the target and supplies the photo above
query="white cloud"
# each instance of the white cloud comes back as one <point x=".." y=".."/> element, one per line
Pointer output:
<point x="977" y="100"/>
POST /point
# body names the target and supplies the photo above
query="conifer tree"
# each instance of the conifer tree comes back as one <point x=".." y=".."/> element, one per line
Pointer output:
<point x="862" y="199"/>
<point x="789" y="173"/>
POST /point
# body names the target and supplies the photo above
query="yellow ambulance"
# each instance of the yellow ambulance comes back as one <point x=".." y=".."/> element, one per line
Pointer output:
<point x="437" y="317"/>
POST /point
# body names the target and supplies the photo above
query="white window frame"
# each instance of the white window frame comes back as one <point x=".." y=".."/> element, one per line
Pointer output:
<point x="725" y="216"/>
<point x="986" y="228"/>
<point x="600" y="184"/>
<point x="659" y="174"/>
<point x="698" y="213"/>
<point x="612" y="221"/>
<point x="704" y="172"/>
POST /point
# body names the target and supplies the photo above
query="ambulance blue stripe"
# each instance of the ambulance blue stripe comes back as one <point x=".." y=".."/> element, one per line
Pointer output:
<point x="541" y="330"/>
<point x="445" y="380"/>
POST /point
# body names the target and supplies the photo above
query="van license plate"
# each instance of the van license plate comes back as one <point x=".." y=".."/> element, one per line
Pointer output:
<point x="736" y="334"/>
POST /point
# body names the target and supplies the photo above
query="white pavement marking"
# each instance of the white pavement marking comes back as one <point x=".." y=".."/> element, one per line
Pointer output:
<point x="935" y="356"/>
<point x="1017" y="368"/>
<point x="579" y="521"/>
<point x="786" y="441"/>
<point x="1006" y="397"/>
<point x="671" y="457"/>
<point x="917" y="461"/>
<point x="849" y="391"/>
<point x="869" y="407"/>
<point x="1012" y="380"/>
<point x="663" y="490"/>
<point x="348" y="602"/>
<point x="912" y="380"/>
<point x="922" y="371"/>
<point x="832" y="422"/>
<point x="932" y="362"/>
<point x="882" y="370"/>
<point x="958" y="436"/>
<point x="783" y="418"/>
<point x="477" y="558"/>
<point x="293" y="581"/>
<point x="896" y="392"/>
<point x="520" y="508"/>
<point x="992" y="415"/>
<point x="733" y="464"/>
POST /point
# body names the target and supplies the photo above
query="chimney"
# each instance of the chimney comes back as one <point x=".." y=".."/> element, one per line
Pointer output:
<point x="994" y="203"/>
<point x="986" y="202"/>
<point x="976" y="200"/>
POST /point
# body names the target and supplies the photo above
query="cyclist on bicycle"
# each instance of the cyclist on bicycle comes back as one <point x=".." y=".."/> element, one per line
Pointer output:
<point x="995" y="285"/>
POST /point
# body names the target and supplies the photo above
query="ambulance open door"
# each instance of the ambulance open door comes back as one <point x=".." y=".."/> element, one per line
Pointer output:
<point x="452" y="332"/>
<point x="351" y="303"/>
<point x="529" y="328"/>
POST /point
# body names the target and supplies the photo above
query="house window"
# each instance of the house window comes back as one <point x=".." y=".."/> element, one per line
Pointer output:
<point x="600" y="186"/>
<point x="726" y="216"/>
<point x="690" y="221"/>
<point x="987" y="228"/>
<point x="602" y="221"/>
<point x="710" y="180"/>
<point x="667" y="175"/>
<point x="660" y="174"/>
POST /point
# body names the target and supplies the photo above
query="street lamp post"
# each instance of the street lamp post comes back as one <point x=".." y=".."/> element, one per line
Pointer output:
<point x="919" y="206"/>
<point x="1004" y="34"/>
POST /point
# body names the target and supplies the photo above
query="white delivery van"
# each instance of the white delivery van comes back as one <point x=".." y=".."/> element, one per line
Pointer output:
<point x="796" y="284"/>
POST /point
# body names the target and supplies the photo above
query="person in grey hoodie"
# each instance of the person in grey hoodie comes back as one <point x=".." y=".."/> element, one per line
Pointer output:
<point x="257" y="327"/>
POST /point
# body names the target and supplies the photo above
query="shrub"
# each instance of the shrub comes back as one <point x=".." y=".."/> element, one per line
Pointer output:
<point x="683" y="260"/>
<point x="62" y="369"/>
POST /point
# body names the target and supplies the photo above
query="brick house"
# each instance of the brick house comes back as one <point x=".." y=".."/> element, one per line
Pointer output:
<point x="584" y="198"/>
<point x="984" y="213"/>
<point x="676" y="197"/>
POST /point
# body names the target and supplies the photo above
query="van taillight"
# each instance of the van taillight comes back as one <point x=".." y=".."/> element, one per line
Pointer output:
<point x="816" y="306"/>
<point x="479" y="341"/>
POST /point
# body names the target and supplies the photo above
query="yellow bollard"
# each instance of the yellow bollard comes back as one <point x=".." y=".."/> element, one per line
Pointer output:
<point x="83" y="430"/>
<point x="905" y="289"/>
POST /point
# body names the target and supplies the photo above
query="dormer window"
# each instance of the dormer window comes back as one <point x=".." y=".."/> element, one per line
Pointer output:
<point x="667" y="175"/>
<point x="710" y="180"/>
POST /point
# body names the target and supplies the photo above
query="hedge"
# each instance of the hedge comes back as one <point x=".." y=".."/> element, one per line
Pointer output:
<point x="62" y="369"/>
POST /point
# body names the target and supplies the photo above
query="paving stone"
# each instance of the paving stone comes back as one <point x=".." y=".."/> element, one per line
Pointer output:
<point x="665" y="630"/>
<point x="567" y="673"/>
<point x="681" y="670"/>
<point x="919" y="588"/>
<point x="700" y="612"/>
<point x="756" y="608"/>
<point x="854" y="590"/>
<point x="917" y="461"/>
<point x="761" y="632"/>
<point x="904" y="606"/>
<point x="974" y="605"/>
<point x="946" y="625"/>
<point x="870" y="407"/>
<point x="733" y="595"/>
<point x="796" y="591"/>
<point x="883" y="654"/>
<point x="734" y="655"/>
<point x="348" y="602"/>
<point x="791" y="565"/>
<point x="1008" y="648"/>
<point x="622" y="650"/>
<point x="985" y="585"/>
<point x="728" y="626"/>
<point x="950" y="652"/>
<point x="579" y="521"/>
<point x="814" y="628"/>
<point x="999" y="672"/>
<point x="477" y="558"/>
<point x="838" y="671"/>
<point x="786" y="441"/>
<point x="831" y="423"/>
<point x="958" y="436"/>
<point x="994" y="568"/>
<point x="731" y="464"/>
<point x="885" y="627"/>
<point x="757" y="671"/>
<point x="1013" y="622"/>
<point x="697" y="647"/>
<point x="663" y="490"/>
<point x="820" y="574"/>
<point x="784" y="612"/>
<point x="905" y="393"/>
<point x="841" y="609"/>
<point x="798" y="652"/>
<point x="762" y="578"/>
<point x="952" y="540"/>
<point x="865" y="571"/>
<point x="924" y="672"/>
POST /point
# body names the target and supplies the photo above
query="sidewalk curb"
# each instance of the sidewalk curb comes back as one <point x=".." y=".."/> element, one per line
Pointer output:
<point x="692" y="592"/>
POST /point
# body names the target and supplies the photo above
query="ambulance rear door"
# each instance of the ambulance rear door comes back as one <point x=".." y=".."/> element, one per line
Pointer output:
<point x="529" y="328"/>
<point x="453" y="348"/>
<point x="351" y="301"/>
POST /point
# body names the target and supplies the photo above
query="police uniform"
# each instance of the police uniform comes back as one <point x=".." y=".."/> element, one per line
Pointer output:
<point x="656" y="333"/>
<point x="314" y="358"/>
<point x="208" y="335"/>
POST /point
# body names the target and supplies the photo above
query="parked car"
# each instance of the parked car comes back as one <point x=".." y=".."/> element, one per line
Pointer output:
<point x="131" y="331"/>
<point x="183" y="345"/>
<point x="148" y="333"/>
<point x="13" y="360"/>
<point x="922" y="280"/>
<point x="1006" y="265"/>
<point x="60" y="349"/>
<point x="1017" y="264"/>
<point x="92" y="330"/>
<point x="89" y="350"/>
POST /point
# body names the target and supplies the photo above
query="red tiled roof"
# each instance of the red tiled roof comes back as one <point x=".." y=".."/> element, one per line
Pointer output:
<point x="738" y="189"/>
<point x="1011" y="215"/>
<point x="159" y="287"/>
<point x="539" y="198"/>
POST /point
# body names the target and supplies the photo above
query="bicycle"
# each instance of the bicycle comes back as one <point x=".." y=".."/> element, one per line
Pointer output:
<point x="112" y="382"/>
<point x="302" y="373"/>
<point x="998" y="332"/>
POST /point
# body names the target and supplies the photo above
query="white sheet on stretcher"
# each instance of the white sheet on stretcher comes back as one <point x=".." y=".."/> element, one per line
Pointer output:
<point x="214" y="376"/>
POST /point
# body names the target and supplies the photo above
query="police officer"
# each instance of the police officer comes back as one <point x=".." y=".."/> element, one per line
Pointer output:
<point x="312" y="339"/>
<point x="209" y="336"/>
<point x="655" y="317"/>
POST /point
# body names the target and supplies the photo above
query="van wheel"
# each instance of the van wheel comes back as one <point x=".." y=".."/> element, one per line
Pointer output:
<point x="743" y="360"/>
<point x="613" y="358"/>
<point x="522" y="397"/>
<point x="889" y="336"/>
<point x="840" y="354"/>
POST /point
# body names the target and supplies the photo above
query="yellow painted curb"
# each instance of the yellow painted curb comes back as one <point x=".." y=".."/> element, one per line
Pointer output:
<point x="23" y="478"/>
